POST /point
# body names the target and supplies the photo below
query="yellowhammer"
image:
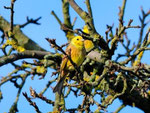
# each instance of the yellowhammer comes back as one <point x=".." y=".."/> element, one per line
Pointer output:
<point x="77" y="52"/>
<point x="87" y="43"/>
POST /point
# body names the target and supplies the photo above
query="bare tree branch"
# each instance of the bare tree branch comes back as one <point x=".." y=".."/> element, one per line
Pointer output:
<point x="27" y="54"/>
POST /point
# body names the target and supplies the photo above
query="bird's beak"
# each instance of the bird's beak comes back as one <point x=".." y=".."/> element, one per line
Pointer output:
<point x="82" y="40"/>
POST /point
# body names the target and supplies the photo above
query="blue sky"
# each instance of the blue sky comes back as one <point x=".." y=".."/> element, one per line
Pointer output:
<point x="105" y="12"/>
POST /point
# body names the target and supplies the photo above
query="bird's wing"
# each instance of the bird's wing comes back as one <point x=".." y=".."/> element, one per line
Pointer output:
<point x="63" y="63"/>
<point x="65" y="58"/>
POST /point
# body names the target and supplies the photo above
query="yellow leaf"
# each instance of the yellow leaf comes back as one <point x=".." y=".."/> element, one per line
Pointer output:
<point x="4" y="45"/>
<point x="97" y="76"/>
<point x="86" y="79"/>
<point x="20" y="49"/>
<point x="26" y="65"/>
<point x="8" y="42"/>
<point x="40" y="69"/>
<point x="13" y="42"/>
<point x="133" y="104"/>
<point x="10" y="34"/>
<point x="85" y="29"/>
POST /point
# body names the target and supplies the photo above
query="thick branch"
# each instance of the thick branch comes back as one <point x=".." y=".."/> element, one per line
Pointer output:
<point x="65" y="6"/>
<point x="84" y="15"/>
<point x="27" y="54"/>
<point x="21" y="38"/>
<point x="137" y="99"/>
<point x="135" y="90"/>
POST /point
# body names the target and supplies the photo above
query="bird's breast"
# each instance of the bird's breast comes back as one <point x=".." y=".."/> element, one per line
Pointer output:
<point x="77" y="57"/>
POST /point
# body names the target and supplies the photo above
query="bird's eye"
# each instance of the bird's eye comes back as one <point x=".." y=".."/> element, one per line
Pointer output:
<point x="77" y="39"/>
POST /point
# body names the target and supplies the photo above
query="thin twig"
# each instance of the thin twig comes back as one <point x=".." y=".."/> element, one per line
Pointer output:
<point x="29" y="21"/>
<point x="31" y="103"/>
<point x="118" y="35"/>
<point x="121" y="13"/>
<point x="143" y="24"/>
<point x="40" y="96"/>
<point x="47" y="86"/>
<point x="74" y="20"/>
<point x="12" y="15"/>
<point x="14" y="106"/>
<point x="134" y="55"/>
<point x="89" y="8"/>
<point x="58" y="20"/>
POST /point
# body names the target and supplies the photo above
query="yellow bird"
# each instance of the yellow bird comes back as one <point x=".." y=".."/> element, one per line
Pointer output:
<point x="87" y="43"/>
<point x="77" y="52"/>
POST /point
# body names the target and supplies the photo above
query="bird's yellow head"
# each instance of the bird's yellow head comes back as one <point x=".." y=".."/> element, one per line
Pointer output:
<point x="78" y="41"/>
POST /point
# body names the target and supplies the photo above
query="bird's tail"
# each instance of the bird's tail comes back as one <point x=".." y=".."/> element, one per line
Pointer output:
<point x="59" y="86"/>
